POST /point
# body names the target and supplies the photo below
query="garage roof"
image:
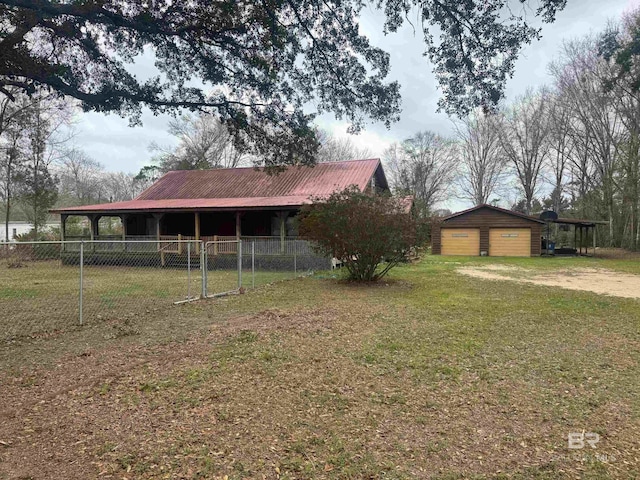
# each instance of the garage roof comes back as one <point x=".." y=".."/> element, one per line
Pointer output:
<point x="497" y="209"/>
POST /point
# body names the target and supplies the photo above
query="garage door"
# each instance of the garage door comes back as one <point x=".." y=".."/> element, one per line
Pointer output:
<point x="458" y="241"/>
<point x="510" y="242"/>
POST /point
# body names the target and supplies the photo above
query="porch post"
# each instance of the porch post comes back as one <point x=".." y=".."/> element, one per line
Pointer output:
<point x="123" y="220"/>
<point x="93" y="226"/>
<point x="283" y="230"/>
<point x="594" y="240"/>
<point x="197" y="230"/>
<point x="581" y="239"/>
<point x="63" y="226"/>
<point x="63" y="230"/>
<point x="95" y="231"/>
<point x="238" y="225"/>
<point x="157" y="217"/>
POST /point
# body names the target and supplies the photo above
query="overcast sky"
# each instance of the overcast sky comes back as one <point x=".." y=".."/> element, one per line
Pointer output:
<point x="110" y="140"/>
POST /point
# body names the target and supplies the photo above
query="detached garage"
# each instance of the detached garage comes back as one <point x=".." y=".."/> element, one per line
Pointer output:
<point x="487" y="230"/>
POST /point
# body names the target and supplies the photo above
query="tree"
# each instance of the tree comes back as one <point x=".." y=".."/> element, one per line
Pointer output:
<point x="483" y="161"/>
<point x="579" y="75"/>
<point x="14" y="114"/>
<point x="334" y="149"/>
<point x="524" y="141"/>
<point x="80" y="177"/>
<point x="422" y="166"/>
<point x="10" y="170"/>
<point x="44" y="143"/>
<point x="203" y="143"/>
<point x="522" y="206"/>
<point x="620" y="47"/>
<point x="121" y="186"/>
<point x="263" y="60"/>
<point x="39" y="194"/>
<point x="560" y="147"/>
<point x="369" y="233"/>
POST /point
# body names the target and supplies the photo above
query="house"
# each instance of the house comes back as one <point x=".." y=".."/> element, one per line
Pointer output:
<point x="17" y="228"/>
<point x="227" y="203"/>
<point x="496" y="232"/>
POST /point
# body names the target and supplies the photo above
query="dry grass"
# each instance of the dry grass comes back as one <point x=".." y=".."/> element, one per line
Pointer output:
<point x="431" y="375"/>
<point x="41" y="297"/>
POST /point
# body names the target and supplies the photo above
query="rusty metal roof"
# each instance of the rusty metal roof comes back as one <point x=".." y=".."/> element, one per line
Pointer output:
<point x="230" y="188"/>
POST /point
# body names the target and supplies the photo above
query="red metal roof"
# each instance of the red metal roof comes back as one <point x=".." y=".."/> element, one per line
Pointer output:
<point x="231" y="188"/>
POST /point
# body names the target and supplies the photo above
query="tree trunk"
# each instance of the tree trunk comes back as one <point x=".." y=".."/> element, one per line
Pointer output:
<point x="7" y="212"/>
<point x="6" y="219"/>
<point x="610" y="212"/>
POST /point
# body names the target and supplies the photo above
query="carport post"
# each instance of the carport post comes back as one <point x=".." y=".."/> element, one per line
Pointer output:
<point x="253" y="264"/>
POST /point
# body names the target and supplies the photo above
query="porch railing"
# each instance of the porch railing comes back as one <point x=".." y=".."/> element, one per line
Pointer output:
<point x="288" y="246"/>
<point x="263" y="245"/>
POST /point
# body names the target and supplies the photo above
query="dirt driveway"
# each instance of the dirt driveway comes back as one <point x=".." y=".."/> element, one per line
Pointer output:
<point x="602" y="281"/>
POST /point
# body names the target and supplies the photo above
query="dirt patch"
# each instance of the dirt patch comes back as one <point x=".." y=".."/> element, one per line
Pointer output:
<point x="601" y="281"/>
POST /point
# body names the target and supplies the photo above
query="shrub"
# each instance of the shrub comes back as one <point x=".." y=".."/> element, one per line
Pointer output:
<point x="369" y="233"/>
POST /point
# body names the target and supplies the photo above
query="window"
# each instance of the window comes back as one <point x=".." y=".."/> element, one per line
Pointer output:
<point x="460" y="235"/>
<point x="509" y="235"/>
<point x="15" y="233"/>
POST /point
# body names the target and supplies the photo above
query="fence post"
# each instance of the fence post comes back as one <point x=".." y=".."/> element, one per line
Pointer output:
<point x="81" y="279"/>
<point x="188" y="269"/>
<point x="239" y="264"/>
<point x="253" y="264"/>
<point x="203" y="268"/>
<point x="295" y="258"/>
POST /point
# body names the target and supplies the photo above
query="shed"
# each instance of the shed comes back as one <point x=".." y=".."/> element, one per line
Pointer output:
<point x="487" y="230"/>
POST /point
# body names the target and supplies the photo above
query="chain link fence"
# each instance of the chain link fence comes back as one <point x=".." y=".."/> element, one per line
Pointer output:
<point x="269" y="259"/>
<point x="49" y="287"/>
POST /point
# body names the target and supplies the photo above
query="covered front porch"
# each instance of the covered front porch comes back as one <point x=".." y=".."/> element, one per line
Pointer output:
<point x="269" y="230"/>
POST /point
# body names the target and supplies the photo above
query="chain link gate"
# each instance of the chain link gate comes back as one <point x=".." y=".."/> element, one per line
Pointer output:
<point x="222" y="268"/>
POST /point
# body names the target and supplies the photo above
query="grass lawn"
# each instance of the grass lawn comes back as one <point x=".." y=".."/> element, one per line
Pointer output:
<point x="430" y="374"/>
<point x="41" y="297"/>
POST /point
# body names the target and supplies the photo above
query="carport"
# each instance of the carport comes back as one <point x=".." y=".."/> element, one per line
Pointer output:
<point x="583" y="231"/>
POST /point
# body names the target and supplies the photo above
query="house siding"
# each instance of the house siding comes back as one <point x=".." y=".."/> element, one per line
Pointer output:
<point x="484" y="219"/>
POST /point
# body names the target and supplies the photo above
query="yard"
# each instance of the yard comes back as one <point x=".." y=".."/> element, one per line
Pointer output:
<point x="432" y="374"/>
<point x="41" y="297"/>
